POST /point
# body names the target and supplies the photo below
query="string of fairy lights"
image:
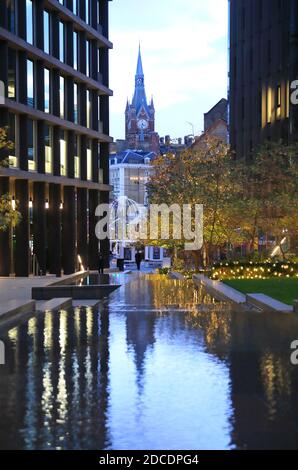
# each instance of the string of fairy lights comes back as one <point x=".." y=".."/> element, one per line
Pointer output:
<point x="253" y="270"/>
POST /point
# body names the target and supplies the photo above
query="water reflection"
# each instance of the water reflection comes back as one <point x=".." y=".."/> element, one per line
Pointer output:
<point x="162" y="366"/>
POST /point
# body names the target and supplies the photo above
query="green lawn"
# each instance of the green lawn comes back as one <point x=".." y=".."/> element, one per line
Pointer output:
<point x="285" y="290"/>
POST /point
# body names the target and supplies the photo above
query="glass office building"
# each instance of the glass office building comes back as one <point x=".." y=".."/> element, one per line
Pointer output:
<point x="54" y="66"/>
<point x="263" y="72"/>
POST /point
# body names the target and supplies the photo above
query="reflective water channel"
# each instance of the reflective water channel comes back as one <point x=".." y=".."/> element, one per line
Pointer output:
<point x="161" y="365"/>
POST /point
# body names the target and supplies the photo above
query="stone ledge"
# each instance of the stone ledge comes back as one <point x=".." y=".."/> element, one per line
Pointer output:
<point x="54" y="304"/>
<point x="86" y="303"/>
<point x="219" y="290"/>
<point x="268" y="304"/>
<point x="14" y="311"/>
<point x="176" y="276"/>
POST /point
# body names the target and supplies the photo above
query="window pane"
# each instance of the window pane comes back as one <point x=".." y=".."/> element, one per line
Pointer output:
<point x="30" y="83"/>
<point x="61" y="41"/>
<point x="89" y="161"/>
<point x="47" y="99"/>
<point x="11" y="12"/>
<point x="76" y="115"/>
<point x="48" y="149"/>
<point x="46" y="23"/>
<point x="87" y="58"/>
<point x="61" y="93"/>
<point x="12" y="59"/>
<point x="11" y="134"/>
<point x="77" y="157"/>
<point x="75" y="50"/>
<point x="87" y="12"/>
<point x="31" y="149"/>
<point x="88" y="108"/>
<point x="63" y="159"/>
<point x="29" y="21"/>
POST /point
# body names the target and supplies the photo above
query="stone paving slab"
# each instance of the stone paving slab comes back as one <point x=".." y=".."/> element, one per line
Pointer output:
<point x="267" y="303"/>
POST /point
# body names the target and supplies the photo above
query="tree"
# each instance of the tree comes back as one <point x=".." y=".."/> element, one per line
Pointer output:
<point x="268" y="199"/>
<point x="9" y="216"/>
<point x="198" y="177"/>
<point x="242" y="200"/>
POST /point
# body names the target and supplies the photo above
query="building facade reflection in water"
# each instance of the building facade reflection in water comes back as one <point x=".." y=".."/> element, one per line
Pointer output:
<point x="55" y="384"/>
<point x="163" y="366"/>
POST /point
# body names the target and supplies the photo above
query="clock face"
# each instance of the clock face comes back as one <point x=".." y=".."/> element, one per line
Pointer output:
<point x="142" y="124"/>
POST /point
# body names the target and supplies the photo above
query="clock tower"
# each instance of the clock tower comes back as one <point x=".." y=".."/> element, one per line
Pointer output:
<point x="140" y="117"/>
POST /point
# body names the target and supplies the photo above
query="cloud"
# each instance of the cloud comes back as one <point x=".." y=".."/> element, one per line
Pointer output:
<point x="184" y="53"/>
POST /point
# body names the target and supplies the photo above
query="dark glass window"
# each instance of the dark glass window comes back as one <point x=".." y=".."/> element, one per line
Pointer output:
<point x="12" y="66"/>
<point x="30" y="83"/>
<point x="46" y="29"/>
<point x="29" y="21"/>
<point x="61" y="41"/>
<point x="11" y="12"/>
<point x="75" y="50"/>
<point x="31" y="146"/>
<point x="47" y="91"/>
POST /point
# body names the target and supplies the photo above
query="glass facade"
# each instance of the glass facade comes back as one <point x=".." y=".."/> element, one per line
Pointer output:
<point x="75" y="50"/>
<point x="30" y="83"/>
<point x="77" y="171"/>
<point x="61" y="41"/>
<point x="76" y="110"/>
<point x="62" y="97"/>
<point x="12" y="68"/>
<point x="12" y="137"/>
<point x="49" y="75"/>
<point x="29" y="21"/>
<point x="48" y="149"/>
<point x="88" y="109"/>
<point x="11" y="12"/>
<point x="75" y="7"/>
<point x="47" y="98"/>
<point x="87" y="11"/>
<point x="63" y="154"/>
<point x="89" y="160"/>
<point x="31" y="145"/>
<point x="46" y="31"/>
<point x="87" y="58"/>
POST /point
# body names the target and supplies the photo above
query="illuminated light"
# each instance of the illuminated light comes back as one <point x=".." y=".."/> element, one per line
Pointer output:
<point x="13" y="203"/>
<point x="81" y="263"/>
<point x="47" y="205"/>
<point x="61" y="205"/>
<point x="30" y="203"/>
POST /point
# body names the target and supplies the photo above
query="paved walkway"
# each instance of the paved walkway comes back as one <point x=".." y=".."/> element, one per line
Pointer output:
<point x="20" y="288"/>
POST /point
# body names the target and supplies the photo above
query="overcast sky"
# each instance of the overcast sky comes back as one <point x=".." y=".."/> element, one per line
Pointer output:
<point x="184" y="50"/>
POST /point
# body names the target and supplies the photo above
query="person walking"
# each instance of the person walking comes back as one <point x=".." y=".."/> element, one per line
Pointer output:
<point x="101" y="263"/>
<point x="138" y="258"/>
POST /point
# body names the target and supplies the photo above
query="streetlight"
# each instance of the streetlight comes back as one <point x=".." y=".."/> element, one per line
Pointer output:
<point x="192" y="126"/>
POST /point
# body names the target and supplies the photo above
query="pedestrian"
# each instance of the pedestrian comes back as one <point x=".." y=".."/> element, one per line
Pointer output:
<point x="101" y="263"/>
<point x="138" y="258"/>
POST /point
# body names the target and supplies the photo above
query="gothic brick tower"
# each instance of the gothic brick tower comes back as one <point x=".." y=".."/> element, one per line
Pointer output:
<point x="140" y="117"/>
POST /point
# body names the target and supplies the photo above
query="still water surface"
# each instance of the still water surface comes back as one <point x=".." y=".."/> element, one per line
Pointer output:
<point x="160" y="366"/>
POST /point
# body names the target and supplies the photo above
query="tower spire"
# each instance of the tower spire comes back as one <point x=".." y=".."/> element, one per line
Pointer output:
<point x="140" y="72"/>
